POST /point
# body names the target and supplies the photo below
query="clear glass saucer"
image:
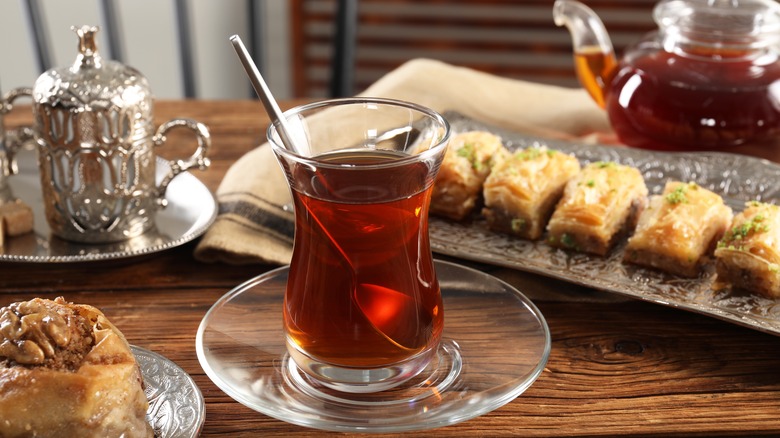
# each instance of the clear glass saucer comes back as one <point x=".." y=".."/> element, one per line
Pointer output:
<point x="495" y="344"/>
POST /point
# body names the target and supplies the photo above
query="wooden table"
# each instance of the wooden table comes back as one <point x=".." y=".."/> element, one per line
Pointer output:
<point x="617" y="367"/>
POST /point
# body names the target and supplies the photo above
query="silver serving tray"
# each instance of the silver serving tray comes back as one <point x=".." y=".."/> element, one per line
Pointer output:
<point x="191" y="210"/>
<point x="737" y="178"/>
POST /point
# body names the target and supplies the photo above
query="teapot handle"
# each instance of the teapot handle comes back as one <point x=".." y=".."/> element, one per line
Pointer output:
<point x="198" y="158"/>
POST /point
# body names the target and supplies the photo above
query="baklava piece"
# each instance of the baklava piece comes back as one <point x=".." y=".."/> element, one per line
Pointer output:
<point x="678" y="229"/>
<point x="469" y="159"/>
<point x="521" y="192"/>
<point x="748" y="256"/>
<point x="65" y="370"/>
<point x="598" y="206"/>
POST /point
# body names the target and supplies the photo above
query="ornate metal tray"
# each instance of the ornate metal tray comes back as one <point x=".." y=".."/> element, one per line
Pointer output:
<point x="737" y="178"/>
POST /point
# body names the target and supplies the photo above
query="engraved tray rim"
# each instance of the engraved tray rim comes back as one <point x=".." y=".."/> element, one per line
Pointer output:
<point x="737" y="178"/>
<point x="191" y="210"/>
<point x="177" y="408"/>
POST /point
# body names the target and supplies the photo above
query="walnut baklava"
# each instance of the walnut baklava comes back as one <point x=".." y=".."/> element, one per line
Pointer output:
<point x="65" y="370"/>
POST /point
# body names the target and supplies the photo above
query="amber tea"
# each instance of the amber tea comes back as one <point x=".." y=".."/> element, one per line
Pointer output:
<point x="592" y="64"/>
<point x="351" y="307"/>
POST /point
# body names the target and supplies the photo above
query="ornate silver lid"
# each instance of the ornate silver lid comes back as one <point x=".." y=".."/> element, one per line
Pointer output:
<point x="94" y="84"/>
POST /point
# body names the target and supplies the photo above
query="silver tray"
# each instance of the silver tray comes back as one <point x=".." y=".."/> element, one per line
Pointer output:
<point x="176" y="405"/>
<point x="737" y="178"/>
<point x="191" y="210"/>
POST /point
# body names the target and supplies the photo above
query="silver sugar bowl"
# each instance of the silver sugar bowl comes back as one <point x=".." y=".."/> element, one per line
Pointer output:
<point x="96" y="142"/>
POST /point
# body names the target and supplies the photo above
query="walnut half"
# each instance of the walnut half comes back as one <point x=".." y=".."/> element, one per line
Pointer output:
<point x="31" y="331"/>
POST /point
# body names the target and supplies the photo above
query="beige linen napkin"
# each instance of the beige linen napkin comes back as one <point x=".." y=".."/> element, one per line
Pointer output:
<point x="253" y="226"/>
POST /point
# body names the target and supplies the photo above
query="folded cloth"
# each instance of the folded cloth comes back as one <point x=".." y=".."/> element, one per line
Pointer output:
<point x="253" y="225"/>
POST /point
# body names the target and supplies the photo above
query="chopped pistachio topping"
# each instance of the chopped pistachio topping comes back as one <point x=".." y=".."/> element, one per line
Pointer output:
<point x="567" y="240"/>
<point x="469" y="152"/>
<point x="604" y="164"/>
<point x="528" y="154"/>
<point x="755" y="225"/>
<point x="518" y="225"/>
<point x="534" y="152"/>
<point x="678" y="195"/>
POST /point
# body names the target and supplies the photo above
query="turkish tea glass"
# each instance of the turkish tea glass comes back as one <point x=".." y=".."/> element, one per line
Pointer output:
<point x="362" y="310"/>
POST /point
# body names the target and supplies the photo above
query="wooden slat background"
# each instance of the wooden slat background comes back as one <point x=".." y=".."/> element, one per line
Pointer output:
<point x="510" y="38"/>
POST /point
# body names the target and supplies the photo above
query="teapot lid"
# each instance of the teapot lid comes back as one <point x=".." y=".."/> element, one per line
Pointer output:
<point x="92" y="81"/>
<point x="738" y="23"/>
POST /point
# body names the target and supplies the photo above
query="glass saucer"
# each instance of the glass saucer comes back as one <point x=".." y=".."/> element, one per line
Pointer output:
<point x="495" y="344"/>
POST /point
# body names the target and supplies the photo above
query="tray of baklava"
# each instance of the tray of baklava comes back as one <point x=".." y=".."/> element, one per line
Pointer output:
<point x="699" y="231"/>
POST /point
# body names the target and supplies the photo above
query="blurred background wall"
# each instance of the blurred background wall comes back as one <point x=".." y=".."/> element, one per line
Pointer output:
<point x="150" y="43"/>
<point x="509" y="38"/>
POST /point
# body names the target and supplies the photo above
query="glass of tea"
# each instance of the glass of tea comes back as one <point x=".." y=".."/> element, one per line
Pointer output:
<point x="362" y="310"/>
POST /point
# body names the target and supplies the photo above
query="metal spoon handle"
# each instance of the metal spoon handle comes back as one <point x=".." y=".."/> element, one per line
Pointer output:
<point x="262" y="90"/>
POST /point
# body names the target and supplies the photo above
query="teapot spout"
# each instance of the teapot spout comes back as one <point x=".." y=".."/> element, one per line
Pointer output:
<point x="594" y="57"/>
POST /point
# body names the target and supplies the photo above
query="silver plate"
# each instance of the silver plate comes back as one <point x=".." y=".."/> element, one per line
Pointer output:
<point x="737" y="178"/>
<point x="176" y="406"/>
<point x="191" y="210"/>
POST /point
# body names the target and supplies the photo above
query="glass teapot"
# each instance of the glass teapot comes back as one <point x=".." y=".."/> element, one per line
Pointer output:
<point x="707" y="79"/>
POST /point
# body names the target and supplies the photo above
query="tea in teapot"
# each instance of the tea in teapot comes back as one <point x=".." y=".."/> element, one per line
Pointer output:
<point x="707" y="79"/>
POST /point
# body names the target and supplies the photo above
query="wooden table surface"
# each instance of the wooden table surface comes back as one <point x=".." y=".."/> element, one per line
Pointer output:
<point x="617" y="367"/>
